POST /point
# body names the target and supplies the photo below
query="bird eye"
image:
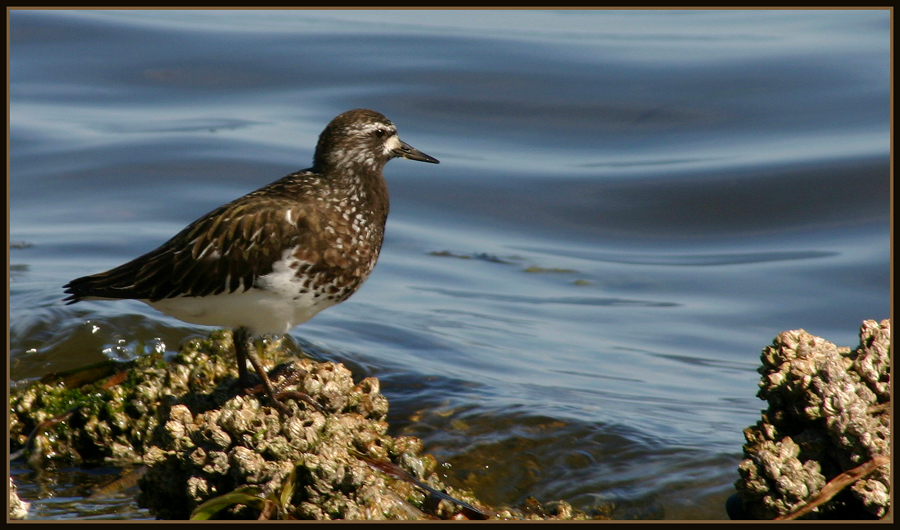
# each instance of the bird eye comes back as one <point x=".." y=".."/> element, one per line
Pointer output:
<point x="380" y="133"/>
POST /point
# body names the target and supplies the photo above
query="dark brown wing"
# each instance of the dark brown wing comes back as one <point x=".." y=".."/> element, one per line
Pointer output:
<point x="223" y="251"/>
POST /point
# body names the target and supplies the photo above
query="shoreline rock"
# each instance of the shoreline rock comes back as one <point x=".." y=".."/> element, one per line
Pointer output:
<point x="828" y="413"/>
<point x="202" y="441"/>
<point x="18" y="509"/>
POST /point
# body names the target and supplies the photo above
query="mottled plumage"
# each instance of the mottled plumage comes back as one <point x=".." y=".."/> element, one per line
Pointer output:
<point x="275" y="257"/>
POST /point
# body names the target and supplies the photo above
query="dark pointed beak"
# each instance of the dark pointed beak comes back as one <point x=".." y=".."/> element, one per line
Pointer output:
<point x="407" y="151"/>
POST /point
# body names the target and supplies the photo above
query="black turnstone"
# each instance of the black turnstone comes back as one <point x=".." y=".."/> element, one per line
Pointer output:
<point x="275" y="257"/>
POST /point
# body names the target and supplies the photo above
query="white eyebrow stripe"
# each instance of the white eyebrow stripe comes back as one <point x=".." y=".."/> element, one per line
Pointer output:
<point x="372" y="127"/>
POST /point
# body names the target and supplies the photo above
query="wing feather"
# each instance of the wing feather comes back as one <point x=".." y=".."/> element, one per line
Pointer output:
<point x="224" y="251"/>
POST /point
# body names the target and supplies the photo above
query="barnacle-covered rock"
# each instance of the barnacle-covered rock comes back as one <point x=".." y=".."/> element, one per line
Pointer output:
<point x="313" y="453"/>
<point x="112" y="420"/>
<point x="202" y="438"/>
<point x="827" y="414"/>
<point x="18" y="509"/>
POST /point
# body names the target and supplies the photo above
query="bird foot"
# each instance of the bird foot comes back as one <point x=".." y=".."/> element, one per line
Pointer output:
<point x="278" y="393"/>
<point x="247" y="350"/>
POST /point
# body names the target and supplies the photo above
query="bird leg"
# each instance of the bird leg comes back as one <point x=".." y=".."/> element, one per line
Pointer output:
<point x="242" y="347"/>
<point x="241" y="337"/>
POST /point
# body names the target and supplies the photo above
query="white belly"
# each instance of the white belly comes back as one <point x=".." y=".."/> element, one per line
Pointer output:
<point x="278" y="302"/>
<point x="261" y="311"/>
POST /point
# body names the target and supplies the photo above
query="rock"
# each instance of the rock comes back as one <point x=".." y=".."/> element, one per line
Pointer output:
<point x="827" y="414"/>
<point x="203" y="440"/>
<point x="18" y="509"/>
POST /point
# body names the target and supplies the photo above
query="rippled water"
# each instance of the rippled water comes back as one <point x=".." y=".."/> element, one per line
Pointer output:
<point x="630" y="205"/>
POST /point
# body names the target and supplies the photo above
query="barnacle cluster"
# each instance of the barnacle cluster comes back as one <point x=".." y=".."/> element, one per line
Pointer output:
<point x="205" y="441"/>
<point x="828" y="412"/>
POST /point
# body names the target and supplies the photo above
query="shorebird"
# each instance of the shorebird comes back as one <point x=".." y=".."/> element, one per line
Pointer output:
<point x="275" y="257"/>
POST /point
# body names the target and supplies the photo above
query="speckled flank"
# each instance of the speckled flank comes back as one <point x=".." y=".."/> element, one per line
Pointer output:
<point x="274" y="258"/>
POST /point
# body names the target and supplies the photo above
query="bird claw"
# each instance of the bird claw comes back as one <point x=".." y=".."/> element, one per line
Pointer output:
<point x="279" y="393"/>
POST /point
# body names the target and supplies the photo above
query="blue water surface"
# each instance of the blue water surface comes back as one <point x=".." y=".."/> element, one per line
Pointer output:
<point x="630" y="205"/>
